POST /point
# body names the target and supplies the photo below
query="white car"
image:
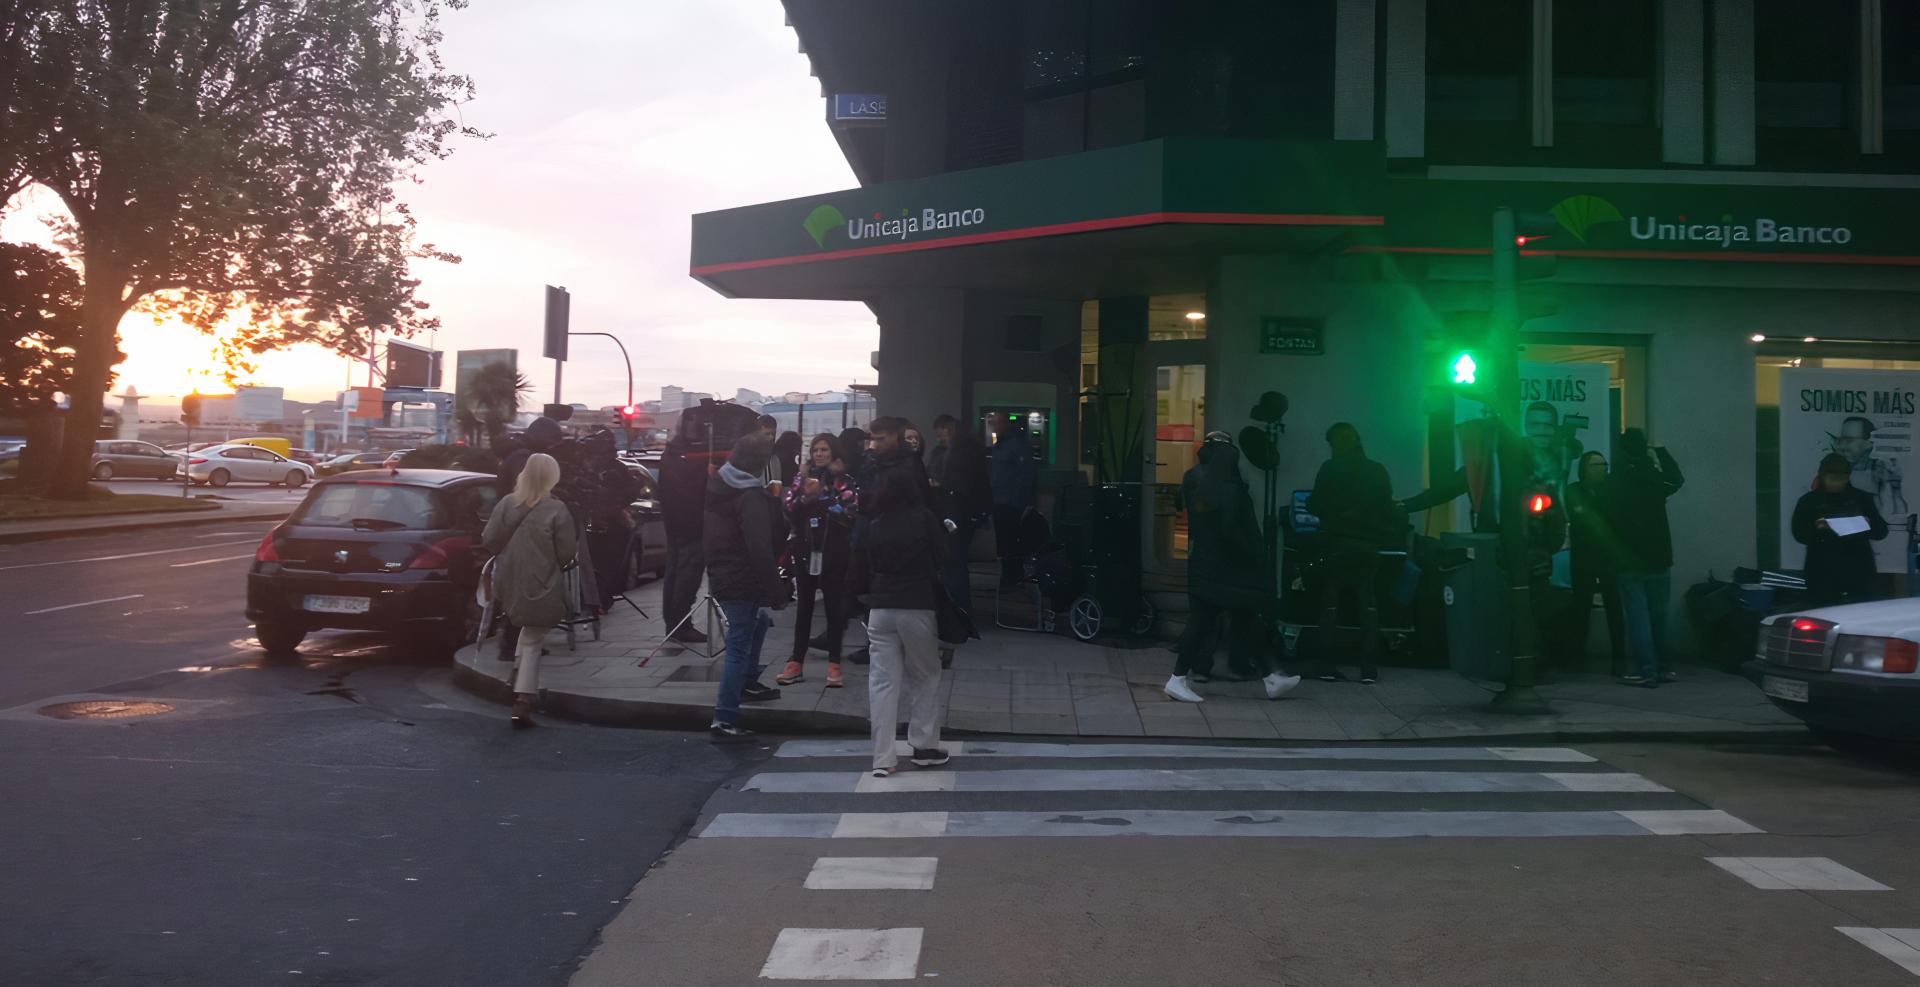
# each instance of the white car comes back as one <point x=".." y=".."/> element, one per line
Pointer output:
<point x="224" y="464"/>
<point x="1850" y="672"/>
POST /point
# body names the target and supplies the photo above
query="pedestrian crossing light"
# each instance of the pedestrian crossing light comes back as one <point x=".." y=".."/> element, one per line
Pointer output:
<point x="1465" y="369"/>
<point x="1540" y="503"/>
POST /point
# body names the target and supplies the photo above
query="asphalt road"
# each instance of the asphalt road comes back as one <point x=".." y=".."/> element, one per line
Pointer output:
<point x="254" y="493"/>
<point x="350" y="817"/>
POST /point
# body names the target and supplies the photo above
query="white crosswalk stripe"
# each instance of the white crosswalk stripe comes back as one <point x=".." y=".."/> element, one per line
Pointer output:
<point x="821" y="790"/>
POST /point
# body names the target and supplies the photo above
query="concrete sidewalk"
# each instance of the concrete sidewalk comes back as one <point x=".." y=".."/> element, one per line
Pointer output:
<point x="221" y="512"/>
<point x="1020" y="683"/>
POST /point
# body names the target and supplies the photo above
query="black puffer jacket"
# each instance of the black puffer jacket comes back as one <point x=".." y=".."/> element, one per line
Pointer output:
<point x="544" y="435"/>
<point x="905" y="549"/>
<point x="1837" y="566"/>
<point x="742" y="536"/>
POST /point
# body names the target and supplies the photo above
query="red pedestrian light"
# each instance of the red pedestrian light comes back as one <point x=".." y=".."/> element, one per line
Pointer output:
<point x="1540" y="503"/>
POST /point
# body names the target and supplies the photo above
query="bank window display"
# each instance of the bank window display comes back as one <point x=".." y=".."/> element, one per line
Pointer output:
<point x="1809" y="404"/>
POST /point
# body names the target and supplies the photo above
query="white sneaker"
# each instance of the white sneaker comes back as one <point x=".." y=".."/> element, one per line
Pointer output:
<point x="1177" y="688"/>
<point x="1279" y="685"/>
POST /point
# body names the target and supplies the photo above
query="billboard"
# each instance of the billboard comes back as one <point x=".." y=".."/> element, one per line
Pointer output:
<point x="412" y="365"/>
<point x="367" y="403"/>
<point x="259" y="404"/>
<point x="476" y="405"/>
<point x="1864" y="415"/>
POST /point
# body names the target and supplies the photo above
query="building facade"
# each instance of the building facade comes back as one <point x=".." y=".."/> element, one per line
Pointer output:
<point x="1130" y="219"/>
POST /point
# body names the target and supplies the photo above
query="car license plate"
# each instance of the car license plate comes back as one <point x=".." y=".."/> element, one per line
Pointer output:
<point x="1792" y="690"/>
<point x="338" y="604"/>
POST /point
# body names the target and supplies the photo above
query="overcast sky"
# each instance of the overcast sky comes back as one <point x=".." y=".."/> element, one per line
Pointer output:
<point x="613" y="122"/>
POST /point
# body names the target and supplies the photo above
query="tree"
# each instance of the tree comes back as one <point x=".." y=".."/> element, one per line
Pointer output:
<point x="489" y="400"/>
<point x="224" y="157"/>
<point x="39" y="328"/>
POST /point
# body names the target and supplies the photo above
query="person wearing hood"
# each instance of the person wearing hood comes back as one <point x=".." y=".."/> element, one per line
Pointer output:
<point x="1353" y="498"/>
<point x="787" y="450"/>
<point x="742" y="533"/>
<point x="1839" y="568"/>
<point x="544" y="435"/>
<point x="1224" y="575"/>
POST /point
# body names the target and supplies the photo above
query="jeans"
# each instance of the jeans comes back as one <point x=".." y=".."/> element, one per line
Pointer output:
<point x="831" y="583"/>
<point x="747" y="625"/>
<point x="1350" y="573"/>
<point x="1573" y="628"/>
<point x="1643" y="599"/>
<point x="905" y="652"/>
<point x="686" y="563"/>
<point x="1197" y="645"/>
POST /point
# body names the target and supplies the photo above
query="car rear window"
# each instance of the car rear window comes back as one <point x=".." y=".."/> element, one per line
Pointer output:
<point x="382" y="505"/>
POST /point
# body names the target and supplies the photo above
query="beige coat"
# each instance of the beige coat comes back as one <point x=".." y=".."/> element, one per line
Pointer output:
<point x="531" y="545"/>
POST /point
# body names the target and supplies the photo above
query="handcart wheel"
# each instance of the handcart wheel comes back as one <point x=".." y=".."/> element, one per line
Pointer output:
<point x="1084" y="617"/>
<point x="1143" y="618"/>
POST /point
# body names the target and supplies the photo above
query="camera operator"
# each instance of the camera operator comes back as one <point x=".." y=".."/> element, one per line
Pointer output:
<point x="607" y="490"/>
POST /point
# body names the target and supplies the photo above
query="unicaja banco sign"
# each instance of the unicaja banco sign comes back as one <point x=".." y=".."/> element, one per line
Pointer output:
<point x="1584" y="215"/>
<point x="908" y="224"/>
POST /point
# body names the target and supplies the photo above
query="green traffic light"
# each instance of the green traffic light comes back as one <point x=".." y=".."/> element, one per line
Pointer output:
<point x="1464" y="369"/>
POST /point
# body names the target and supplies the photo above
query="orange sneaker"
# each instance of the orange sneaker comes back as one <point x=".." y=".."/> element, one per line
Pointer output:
<point x="790" y="674"/>
<point x="833" y="675"/>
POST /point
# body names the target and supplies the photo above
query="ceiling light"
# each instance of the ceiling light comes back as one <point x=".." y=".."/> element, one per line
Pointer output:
<point x="1195" y="316"/>
<point x="1810" y="339"/>
<point x="1758" y="337"/>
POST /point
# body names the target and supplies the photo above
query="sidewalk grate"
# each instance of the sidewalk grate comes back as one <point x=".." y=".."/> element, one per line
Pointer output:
<point x="104" y="709"/>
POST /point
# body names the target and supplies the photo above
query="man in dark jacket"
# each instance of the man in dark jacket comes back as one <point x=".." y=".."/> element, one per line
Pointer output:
<point x="1839" y="568"/>
<point x="1353" y="498"/>
<point x="742" y="535"/>
<point x="887" y="452"/>
<point x="683" y="497"/>
<point x="1013" y="478"/>
<point x="544" y="435"/>
<point x="1225" y="575"/>
<point x="1643" y="478"/>
<point x="962" y="491"/>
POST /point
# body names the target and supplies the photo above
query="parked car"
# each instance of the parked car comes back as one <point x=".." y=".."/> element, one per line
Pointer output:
<point x="396" y="552"/>
<point x="307" y="456"/>
<point x="121" y="458"/>
<point x="393" y="458"/>
<point x="350" y="462"/>
<point x="1850" y="672"/>
<point x="221" y="465"/>
<point x="649" y="540"/>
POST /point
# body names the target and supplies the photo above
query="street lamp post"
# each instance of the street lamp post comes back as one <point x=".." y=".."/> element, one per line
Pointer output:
<point x="623" y="356"/>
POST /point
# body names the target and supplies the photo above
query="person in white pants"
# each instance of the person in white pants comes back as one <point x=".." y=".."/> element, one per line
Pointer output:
<point x="532" y="536"/>
<point x="905" y="546"/>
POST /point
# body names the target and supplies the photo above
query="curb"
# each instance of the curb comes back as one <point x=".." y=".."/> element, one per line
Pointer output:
<point x="631" y="714"/>
<point x="187" y="519"/>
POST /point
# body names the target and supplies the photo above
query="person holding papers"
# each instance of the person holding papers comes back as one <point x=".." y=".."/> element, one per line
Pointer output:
<point x="1837" y="521"/>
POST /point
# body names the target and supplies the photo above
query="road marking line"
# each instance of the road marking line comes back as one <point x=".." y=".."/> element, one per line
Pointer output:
<point x="89" y="603"/>
<point x="1215" y="822"/>
<point x="854" y="825"/>
<point x="1202" y="780"/>
<point x="129" y="555"/>
<point x="988" y="748"/>
<point x="872" y="874"/>
<point x="844" y="954"/>
<point x="1796" y="874"/>
<point x="227" y="558"/>
<point x="1687" y="822"/>
<point x="1897" y="945"/>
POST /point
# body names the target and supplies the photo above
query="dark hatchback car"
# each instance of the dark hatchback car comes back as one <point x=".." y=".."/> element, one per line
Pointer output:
<point x="394" y="550"/>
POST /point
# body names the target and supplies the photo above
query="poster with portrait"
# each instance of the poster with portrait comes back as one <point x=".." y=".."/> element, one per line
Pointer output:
<point x="1864" y="415"/>
<point x="1564" y="411"/>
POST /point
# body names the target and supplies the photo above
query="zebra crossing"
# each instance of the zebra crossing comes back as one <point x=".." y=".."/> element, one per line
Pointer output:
<point x="819" y="790"/>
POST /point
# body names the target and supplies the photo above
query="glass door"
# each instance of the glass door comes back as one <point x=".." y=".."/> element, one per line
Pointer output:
<point x="1179" y="422"/>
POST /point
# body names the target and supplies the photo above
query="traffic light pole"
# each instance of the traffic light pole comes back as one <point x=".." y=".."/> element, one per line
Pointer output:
<point x="1504" y="351"/>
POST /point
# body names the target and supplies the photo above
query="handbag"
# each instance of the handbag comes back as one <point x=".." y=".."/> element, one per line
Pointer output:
<point x="953" y="624"/>
<point x="483" y="589"/>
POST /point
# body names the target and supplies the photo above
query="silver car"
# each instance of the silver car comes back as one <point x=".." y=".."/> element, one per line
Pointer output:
<point x="121" y="458"/>
<point x="224" y="464"/>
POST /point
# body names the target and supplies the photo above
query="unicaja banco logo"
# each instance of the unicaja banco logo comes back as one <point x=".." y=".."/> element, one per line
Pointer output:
<point x="820" y="222"/>
<point x="1579" y="213"/>
<point x="881" y="226"/>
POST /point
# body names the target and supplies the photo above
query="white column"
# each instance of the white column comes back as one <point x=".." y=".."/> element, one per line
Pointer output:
<point x="1353" y="70"/>
<point x="1683" y="89"/>
<point x="1406" y="79"/>
<point x="1733" y="82"/>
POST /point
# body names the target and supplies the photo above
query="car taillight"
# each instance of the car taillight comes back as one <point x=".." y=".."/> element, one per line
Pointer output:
<point x="195" y="461"/>
<point x="439" y="555"/>
<point x="1893" y="655"/>
<point x="266" y="553"/>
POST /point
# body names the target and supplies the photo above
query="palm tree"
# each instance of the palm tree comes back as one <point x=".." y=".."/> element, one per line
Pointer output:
<point x="489" y="401"/>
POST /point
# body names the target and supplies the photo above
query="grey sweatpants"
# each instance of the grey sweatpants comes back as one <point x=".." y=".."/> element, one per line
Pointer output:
<point x="906" y="652"/>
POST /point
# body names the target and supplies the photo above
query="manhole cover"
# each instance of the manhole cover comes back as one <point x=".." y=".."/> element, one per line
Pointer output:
<point x="104" y="709"/>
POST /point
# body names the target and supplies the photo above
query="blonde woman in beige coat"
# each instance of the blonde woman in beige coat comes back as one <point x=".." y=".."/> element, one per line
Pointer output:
<point x="531" y="536"/>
